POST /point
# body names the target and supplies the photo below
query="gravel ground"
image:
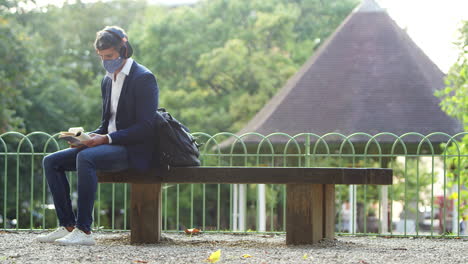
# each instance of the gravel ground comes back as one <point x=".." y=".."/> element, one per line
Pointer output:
<point x="114" y="247"/>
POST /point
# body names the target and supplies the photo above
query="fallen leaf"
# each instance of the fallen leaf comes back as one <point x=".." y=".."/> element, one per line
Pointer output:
<point x="214" y="257"/>
<point x="246" y="256"/>
<point x="192" y="231"/>
<point x="305" y="256"/>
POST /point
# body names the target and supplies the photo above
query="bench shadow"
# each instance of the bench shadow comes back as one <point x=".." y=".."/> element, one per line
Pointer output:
<point x="220" y="240"/>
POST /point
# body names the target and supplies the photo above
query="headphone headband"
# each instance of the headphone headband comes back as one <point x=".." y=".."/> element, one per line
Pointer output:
<point x="116" y="33"/>
<point x="126" y="50"/>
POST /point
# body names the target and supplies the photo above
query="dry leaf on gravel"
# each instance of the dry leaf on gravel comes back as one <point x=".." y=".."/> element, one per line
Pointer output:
<point x="214" y="257"/>
<point x="192" y="231"/>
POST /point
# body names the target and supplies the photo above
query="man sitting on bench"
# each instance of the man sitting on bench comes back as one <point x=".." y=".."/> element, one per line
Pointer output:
<point x="123" y="140"/>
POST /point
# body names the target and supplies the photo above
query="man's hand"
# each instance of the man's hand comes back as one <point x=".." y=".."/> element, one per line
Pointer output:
<point x="92" y="134"/>
<point x="96" y="140"/>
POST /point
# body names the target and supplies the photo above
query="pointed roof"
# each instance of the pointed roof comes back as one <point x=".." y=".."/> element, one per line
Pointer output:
<point x="369" y="6"/>
<point x="369" y="76"/>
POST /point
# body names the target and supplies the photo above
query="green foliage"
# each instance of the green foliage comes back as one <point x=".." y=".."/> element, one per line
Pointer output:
<point x="13" y="64"/>
<point x="49" y="73"/>
<point x="455" y="95"/>
<point x="455" y="103"/>
<point x="219" y="61"/>
<point x="412" y="182"/>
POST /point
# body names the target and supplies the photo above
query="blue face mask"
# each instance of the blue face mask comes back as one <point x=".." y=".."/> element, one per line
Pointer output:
<point x="112" y="65"/>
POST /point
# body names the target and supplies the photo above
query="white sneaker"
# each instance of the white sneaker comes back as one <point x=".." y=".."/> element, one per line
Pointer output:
<point x="51" y="237"/>
<point x="77" y="237"/>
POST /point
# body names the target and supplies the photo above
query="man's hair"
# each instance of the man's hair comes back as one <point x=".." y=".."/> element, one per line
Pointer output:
<point x="105" y="39"/>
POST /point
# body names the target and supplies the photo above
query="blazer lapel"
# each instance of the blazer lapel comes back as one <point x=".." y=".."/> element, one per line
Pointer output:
<point x="107" y="102"/>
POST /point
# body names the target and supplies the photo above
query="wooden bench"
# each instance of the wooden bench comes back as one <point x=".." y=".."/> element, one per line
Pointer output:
<point x="310" y="204"/>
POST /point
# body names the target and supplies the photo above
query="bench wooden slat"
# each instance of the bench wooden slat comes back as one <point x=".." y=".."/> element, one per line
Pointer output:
<point x="267" y="175"/>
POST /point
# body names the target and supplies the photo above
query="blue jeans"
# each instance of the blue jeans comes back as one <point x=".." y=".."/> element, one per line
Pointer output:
<point x="86" y="161"/>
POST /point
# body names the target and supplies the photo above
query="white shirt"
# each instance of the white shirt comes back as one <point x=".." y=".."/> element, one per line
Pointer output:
<point x="115" y="94"/>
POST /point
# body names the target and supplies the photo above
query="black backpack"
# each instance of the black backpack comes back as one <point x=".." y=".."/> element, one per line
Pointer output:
<point x="175" y="146"/>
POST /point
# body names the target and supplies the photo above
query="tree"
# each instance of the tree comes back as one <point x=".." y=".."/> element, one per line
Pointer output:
<point x="61" y="72"/>
<point x="220" y="61"/>
<point x="14" y="69"/>
<point x="217" y="62"/>
<point x="455" y="103"/>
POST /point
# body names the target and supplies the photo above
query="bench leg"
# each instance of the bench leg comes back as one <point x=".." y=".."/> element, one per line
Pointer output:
<point x="145" y="218"/>
<point x="310" y="213"/>
<point x="329" y="211"/>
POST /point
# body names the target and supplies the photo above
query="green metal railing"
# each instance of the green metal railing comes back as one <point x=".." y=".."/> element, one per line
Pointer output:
<point x="429" y="196"/>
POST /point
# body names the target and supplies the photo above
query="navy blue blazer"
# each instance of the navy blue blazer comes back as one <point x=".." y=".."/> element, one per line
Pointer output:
<point x="136" y="110"/>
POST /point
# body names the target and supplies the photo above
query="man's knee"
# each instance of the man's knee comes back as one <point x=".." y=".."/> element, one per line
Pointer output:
<point x="85" y="156"/>
<point x="60" y="160"/>
<point x="49" y="161"/>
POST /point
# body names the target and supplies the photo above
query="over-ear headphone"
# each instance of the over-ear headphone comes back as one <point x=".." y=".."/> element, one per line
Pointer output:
<point x="126" y="49"/>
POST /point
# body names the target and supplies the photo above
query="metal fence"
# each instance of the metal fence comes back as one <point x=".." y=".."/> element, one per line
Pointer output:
<point x="429" y="196"/>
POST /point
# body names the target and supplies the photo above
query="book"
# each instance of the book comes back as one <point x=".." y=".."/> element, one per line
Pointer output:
<point x="74" y="135"/>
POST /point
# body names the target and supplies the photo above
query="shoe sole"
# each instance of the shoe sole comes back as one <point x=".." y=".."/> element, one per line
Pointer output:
<point x="74" y="244"/>
<point x="46" y="241"/>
